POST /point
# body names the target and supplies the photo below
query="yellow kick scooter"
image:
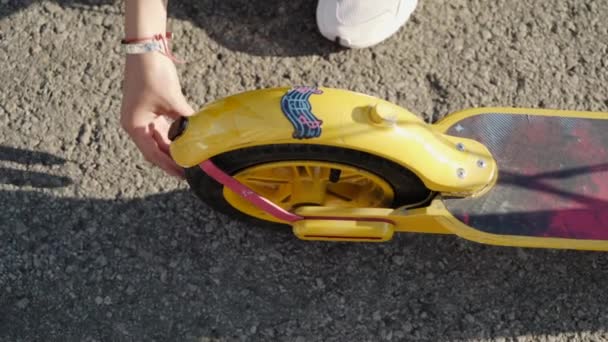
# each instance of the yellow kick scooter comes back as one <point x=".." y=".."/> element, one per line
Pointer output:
<point x="343" y="166"/>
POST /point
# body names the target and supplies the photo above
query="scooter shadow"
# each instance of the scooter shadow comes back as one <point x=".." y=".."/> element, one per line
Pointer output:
<point x="165" y="267"/>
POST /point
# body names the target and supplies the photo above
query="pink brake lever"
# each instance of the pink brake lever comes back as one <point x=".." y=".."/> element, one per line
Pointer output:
<point x="251" y="196"/>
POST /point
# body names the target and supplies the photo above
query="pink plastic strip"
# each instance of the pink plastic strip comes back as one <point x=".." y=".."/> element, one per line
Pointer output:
<point x="251" y="196"/>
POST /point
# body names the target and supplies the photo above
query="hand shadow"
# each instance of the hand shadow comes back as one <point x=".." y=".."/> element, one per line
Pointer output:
<point x="30" y="178"/>
<point x="165" y="267"/>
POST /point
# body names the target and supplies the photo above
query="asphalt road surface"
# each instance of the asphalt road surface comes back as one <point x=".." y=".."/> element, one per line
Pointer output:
<point x="98" y="246"/>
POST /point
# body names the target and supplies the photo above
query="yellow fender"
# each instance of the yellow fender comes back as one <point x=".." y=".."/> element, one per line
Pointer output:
<point x="339" y="118"/>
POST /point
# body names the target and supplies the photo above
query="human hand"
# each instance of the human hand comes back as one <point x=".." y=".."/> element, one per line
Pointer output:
<point x="151" y="94"/>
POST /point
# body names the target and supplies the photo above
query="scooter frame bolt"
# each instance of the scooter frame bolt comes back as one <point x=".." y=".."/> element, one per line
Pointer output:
<point x="461" y="173"/>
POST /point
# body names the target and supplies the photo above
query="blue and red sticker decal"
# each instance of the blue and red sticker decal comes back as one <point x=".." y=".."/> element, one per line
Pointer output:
<point x="296" y="107"/>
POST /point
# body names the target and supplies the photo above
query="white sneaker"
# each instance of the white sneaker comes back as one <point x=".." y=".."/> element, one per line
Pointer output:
<point x="362" y="23"/>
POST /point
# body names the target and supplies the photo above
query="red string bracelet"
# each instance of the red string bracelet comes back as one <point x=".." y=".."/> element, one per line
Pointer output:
<point x="167" y="35"/>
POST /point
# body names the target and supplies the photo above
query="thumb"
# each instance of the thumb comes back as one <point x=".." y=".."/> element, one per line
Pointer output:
<point x="180" y="107"/>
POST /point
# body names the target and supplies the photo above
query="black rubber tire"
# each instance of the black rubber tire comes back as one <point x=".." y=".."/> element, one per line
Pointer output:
<point x="407" y="187"/>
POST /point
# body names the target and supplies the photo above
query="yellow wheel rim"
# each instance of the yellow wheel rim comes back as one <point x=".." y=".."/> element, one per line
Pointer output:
<point x="304" y="183"/>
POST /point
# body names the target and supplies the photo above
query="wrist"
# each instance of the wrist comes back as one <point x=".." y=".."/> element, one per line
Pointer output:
<point x="145" y="18"/>
<point x="144" y="65"/>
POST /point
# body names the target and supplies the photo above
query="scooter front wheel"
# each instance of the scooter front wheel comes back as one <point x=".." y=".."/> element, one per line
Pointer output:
<point x="295" y="175"/>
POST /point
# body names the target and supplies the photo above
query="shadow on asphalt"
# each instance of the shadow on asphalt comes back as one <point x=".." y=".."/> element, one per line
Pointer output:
<point x="165" y="267"/>
<point x="30" y="178"/>
<point x="257" y="27"/>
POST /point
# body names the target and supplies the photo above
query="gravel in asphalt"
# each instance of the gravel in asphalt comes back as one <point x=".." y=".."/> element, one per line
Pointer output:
<point x="99" y="246"/>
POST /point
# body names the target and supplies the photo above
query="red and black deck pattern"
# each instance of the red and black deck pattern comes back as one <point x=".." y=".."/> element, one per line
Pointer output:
<point x="553" y="176"/>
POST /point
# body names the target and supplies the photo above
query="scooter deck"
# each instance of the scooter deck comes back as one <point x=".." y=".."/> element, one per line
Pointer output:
<point x="552" y="187"/>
